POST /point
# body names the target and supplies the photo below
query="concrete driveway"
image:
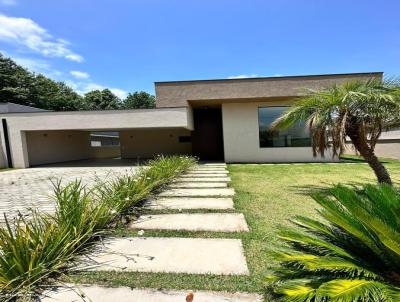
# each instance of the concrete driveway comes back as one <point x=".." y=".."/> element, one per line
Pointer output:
<point x="27" y="188"/>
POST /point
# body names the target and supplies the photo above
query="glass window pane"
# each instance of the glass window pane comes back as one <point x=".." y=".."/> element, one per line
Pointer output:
<point x="296" y="136"/>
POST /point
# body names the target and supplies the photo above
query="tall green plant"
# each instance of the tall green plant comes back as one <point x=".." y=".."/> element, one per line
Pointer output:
<point x="360" y="110"/>
<point x="33" y="250"/>
<point x="352" y="254"/>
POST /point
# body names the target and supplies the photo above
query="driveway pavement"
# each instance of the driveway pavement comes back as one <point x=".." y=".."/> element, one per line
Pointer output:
<point x="27" y="188"/>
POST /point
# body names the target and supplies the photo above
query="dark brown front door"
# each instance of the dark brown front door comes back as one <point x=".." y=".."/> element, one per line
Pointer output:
<point x="207" y="140"/>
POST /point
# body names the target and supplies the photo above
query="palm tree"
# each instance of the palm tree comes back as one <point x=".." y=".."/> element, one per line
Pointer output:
<point x="351" y="252"/>
<point x="359" y="110"/>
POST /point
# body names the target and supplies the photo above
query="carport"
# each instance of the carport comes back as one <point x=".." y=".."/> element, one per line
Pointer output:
<point x="58" y="137"/>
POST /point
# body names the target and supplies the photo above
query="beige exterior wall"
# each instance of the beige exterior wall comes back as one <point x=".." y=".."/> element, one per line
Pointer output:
<point x="19" y="123"/>
<point x="385" y="148"/>
<point x="57" y="146"/>
<point x="174" y="94"/>
<point x="151" y="142"/>
<point x="241" y="137"/>
<point x="105" y="152"/>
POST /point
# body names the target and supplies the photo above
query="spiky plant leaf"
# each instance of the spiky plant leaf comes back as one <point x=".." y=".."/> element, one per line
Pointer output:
<point x="300" y="290"/>
<point x="351" y="256"/>
<point x="344" y="290"/>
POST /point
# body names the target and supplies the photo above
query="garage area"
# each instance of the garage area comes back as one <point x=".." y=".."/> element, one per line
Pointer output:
<point x="84" y="147"/>
<point x="44" y="138"/>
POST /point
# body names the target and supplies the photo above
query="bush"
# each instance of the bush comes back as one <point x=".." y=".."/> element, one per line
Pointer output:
<point x="34" y="250"/>
<point x="353" y="254"/>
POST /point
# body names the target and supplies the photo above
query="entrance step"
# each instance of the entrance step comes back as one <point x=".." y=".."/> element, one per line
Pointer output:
<point x="207" y="175"/>
<point x="226" y="192"/>
<point x="86" y="293"/>
<point x="209" y="169"/>
<point x="207" y="172"/>
<point x="213" y="164"/>
<point x="170" y="255"/>
<point x="215" y="222"/>
<point x="204" y="179"/>
<point x="198" y="185"/>
<point x="191" y="203"/>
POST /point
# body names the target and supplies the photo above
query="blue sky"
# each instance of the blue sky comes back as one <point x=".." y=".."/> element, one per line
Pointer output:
<point x="128" y="44"/>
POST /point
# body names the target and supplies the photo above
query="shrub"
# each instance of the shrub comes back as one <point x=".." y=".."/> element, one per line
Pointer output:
<point x="32" y="251"/>
<point x="353" y="254"/>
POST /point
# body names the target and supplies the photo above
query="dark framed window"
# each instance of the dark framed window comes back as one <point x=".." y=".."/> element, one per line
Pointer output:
<point x="296" y="136"/>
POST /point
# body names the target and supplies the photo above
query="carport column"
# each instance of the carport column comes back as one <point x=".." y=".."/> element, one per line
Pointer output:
<point x="19" y="149"/>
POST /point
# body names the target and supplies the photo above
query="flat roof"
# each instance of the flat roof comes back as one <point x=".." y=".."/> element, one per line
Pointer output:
<point x="46" y="112"/>
<point x="276" y="77"/>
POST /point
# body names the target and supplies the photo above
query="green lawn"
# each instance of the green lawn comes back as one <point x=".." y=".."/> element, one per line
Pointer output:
<point x="268" y="195"/>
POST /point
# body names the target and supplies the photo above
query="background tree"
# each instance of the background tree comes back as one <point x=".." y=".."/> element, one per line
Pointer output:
<point x="20" y="86"/>
<point x="101" y="100"/>
<point x="55" y="96"/>
<point x="139" y="100"/>
<point x="359" y="110"/>
<point x="16" y="83"/>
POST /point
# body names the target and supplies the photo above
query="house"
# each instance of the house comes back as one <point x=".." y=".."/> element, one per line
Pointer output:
<point x="222" y="120"/>
<point x="17" y="108"/>
<point x="388" y="145"/>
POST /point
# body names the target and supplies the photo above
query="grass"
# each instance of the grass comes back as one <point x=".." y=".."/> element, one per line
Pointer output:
<point x="268" y="195"/>
<point x="34" y="251"/>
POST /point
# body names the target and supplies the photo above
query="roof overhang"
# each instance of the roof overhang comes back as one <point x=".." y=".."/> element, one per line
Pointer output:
<point x="102" y="120"/>
<point x="180" y="93"/>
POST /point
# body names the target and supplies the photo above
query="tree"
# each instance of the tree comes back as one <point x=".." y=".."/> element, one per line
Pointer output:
<point x="16" y="82"/>
<point x="139" y="100"/>
<point x="55" y="96"/>
<point x="101" y="100"/>
<point x="20" y="86"/>
<point x="359" y="110"/>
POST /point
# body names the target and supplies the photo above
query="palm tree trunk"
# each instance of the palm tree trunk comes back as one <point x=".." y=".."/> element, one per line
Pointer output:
<point x="368" y="153"/>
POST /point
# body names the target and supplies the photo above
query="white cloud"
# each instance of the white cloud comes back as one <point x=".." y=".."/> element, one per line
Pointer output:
<point x="36" y="65"/>
<point x="26" y="32"/>
<point x="8" y="2"/>
<point x="79" y="74"/>
<point x="119" y="92"/>
<point x="84" y="87"/>
<point x="243" y="76"/>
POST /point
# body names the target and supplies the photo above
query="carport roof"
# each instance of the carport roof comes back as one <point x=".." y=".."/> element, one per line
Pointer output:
<point x="101" y="120"/>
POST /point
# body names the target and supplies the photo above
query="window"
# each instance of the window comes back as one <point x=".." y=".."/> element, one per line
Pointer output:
<point x="296" y="136"/>
<point x="104" y="139"/>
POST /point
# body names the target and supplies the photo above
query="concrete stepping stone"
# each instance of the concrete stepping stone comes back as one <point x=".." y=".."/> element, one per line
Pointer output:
<point x="197" y="175"/>
<point x="203" y="179"/>
<point x="198" y="185"/>
<point x="170" y="255"/>
<point x="209" y="169"/>
<point x="206" y="172"/>
<point x="184" y="192"/>
<point x="88" y="293"/>
<point x="211" y="222"/>
<point x="211" y="203"/>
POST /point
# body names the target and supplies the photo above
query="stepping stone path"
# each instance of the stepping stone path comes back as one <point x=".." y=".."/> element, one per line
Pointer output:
<point x="183" y="203"/>
<point x="123" y="294"/>
<point x="224" y="222"/>
<point x="204" y="187"/>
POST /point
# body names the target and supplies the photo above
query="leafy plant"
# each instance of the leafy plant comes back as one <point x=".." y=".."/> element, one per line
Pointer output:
<point x="359" y="110"/>
<point x="352" y="255"/>
<point x="44" y="246"/>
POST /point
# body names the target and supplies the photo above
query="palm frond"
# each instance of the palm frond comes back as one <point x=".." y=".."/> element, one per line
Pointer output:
<point x="344" y="290"/>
